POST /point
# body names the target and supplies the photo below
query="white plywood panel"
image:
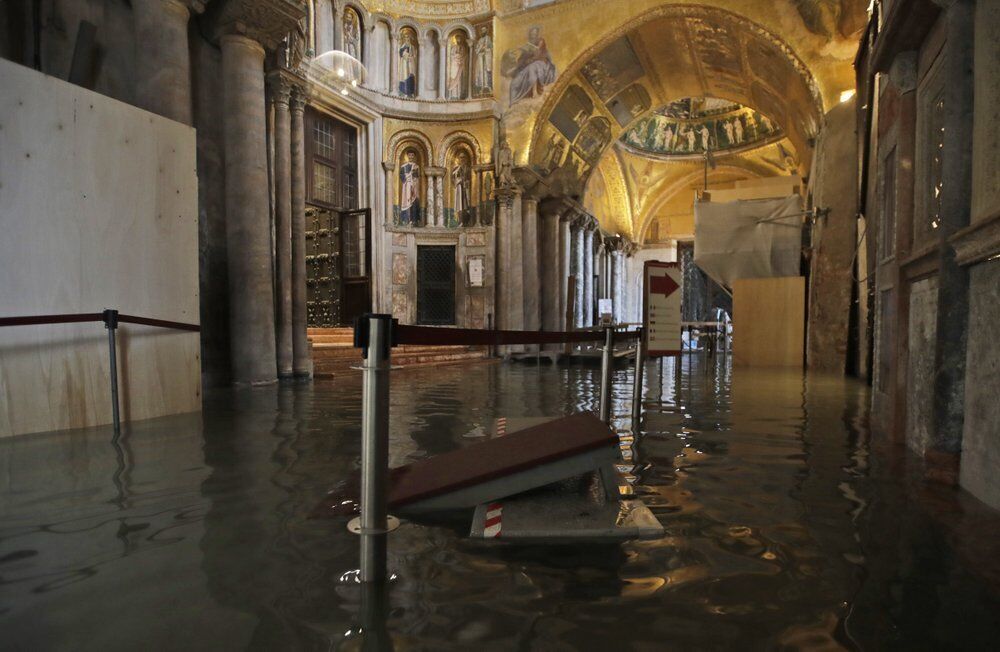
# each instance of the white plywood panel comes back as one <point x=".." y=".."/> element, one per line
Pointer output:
<point x="98" y="208"/>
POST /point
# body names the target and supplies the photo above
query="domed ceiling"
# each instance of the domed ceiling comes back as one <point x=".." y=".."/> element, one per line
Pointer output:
<point x="686" y="128"/>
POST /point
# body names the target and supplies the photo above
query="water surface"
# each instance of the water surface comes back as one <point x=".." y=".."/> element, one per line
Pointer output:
<point x="786" y="528"/>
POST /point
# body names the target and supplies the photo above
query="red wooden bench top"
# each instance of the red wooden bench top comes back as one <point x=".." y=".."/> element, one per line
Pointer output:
<point x="484" y="461"/>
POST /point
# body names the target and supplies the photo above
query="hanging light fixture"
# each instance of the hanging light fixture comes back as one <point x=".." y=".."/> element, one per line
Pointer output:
<point x="341" y="71"/>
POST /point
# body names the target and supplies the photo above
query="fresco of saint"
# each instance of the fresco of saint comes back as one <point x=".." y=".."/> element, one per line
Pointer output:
<point x="484" y="62"/>
<point x="409" y="191"/>
<point x="461" y="180"/>
<point x="458" y="55"/>
<point x="529" y="67"/>
<point x="407" y="65"/>
<point x="352" y="34"/>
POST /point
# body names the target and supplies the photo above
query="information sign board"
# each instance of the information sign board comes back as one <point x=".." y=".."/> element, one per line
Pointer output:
<point x="662" y="308"/>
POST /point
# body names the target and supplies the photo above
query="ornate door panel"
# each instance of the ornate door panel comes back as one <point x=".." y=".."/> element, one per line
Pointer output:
<point x="323" y="280"/>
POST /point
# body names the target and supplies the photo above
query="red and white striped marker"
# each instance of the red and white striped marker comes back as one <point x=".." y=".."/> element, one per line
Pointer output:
<point x="491" y="526"/>
<point x="501" y="426"/>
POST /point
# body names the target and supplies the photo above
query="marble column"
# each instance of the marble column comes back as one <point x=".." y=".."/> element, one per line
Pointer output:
<point x="439" y="204"/>
<point x="588" y="274"/>
<point x="162" y="62"/>
<point x="393" y="63"/>
<point x="621" y="284"/>
<point x="301" y="351"/>
<point x="442" y="68"/>
<point x="565" y="268"/>
<point x="529" y="244"/>
<point x="337" y="28"/>
<point x="280" y="91"/>
<point x="510" y="281"/>
<point x="431" y="217"/>
<point x="613" y="289"/>
<point x="251" y="291"/>
<point x="390" y="191"/>
<point x="549" y="263"/>
<point x="579" y="271"/>
<point x="368" y="55"/>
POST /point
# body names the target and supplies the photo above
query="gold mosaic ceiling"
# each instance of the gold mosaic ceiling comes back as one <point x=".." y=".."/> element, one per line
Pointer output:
<point x="692" y="126"/>
<point x="695" y="52"/>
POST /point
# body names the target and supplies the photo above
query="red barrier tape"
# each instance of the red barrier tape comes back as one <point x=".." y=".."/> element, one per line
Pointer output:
<point x="429" y="335"/>
<point x="176" y="325"/>
<point x="94" y="316"/>
<point x="51" y="319"/>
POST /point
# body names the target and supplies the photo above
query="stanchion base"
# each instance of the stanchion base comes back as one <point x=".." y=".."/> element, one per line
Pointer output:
<point x="391" y="523"/>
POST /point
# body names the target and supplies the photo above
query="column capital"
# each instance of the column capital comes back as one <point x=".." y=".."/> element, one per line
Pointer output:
<point x="388" y="166"/>
<point x="299" y="95"/>
<point x="266" y="21"/>
<point x="507" y="195"/>
<point x="280" y="89"/>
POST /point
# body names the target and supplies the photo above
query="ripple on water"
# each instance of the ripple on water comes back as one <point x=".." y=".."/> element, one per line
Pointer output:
<point x="783" y="529"/>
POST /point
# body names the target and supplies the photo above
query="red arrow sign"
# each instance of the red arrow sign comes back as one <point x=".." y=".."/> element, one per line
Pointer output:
<point x="662" y="285"/>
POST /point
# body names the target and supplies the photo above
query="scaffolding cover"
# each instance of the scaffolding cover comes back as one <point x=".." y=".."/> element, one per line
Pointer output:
<point x="748" y="238"/>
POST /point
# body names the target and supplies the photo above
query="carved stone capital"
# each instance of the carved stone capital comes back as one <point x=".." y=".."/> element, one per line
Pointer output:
<point x="280" y="89"/>
<point x="507" y="196"/>
<point x="388" y="166"/>
<point x="300" y="95"/>
<point x="266" y="21"/>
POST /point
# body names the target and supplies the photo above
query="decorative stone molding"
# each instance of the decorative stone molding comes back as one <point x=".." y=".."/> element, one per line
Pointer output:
<point x="265" y="21"/>
<point x="978" y="242"/>
<point x="398" y="138"/>
<point x="456" y="137"/>
<point x="388" y="166"/>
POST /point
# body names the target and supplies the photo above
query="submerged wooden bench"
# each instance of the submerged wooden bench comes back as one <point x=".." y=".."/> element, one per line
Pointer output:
<point x="496" y="468"/>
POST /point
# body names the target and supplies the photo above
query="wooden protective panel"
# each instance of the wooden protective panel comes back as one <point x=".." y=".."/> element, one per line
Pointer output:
<point x="769" y="321"/>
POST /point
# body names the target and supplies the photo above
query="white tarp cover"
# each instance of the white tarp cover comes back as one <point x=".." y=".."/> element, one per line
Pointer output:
<point x="748" y="238"/>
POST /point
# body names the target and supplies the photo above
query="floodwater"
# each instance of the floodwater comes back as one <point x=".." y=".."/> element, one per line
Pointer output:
<point x="786" y="528"/>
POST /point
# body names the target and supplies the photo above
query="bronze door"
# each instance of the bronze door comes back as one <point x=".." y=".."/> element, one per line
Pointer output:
<point x="323" y="287"/>
<point x="355" y="260"/>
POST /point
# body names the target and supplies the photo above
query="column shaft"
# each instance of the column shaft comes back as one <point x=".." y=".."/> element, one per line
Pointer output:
<point x="529" y="243"/>
<point x="283" y="225"/>
<point x="588" y="277"/>
<point x="163" y="65"/>
<point x="510" y="291"/>
<point x="301" y="351"/>
<point x="565" y="270"/>
<point x="251" y="298"/>
<point x="549" y="263"/>
<point x="579" y="272"/>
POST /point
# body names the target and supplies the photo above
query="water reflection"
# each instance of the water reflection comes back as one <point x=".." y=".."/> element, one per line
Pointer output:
<point x="784" y="528"/>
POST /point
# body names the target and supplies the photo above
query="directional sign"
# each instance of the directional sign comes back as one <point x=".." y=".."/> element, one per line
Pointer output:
<point x="662" y="308"/>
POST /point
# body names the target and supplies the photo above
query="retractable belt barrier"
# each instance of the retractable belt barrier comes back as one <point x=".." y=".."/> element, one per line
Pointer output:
<point x="429" y="335"/>
<point x="111" y="319"/>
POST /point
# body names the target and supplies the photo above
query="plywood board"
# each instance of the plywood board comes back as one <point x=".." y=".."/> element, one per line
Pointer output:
<point x="98" y="209"/>
<point x="769" y="321"/>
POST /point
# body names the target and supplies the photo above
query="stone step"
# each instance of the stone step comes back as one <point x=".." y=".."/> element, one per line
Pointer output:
<point x="332" y="359"/>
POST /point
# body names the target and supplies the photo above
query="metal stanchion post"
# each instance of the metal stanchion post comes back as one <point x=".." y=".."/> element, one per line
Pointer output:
<point x="606" y="360"/>
<point x="374" y="335"/>
<point x="640" y="359"/>
<point x="111" y="324"/>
